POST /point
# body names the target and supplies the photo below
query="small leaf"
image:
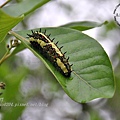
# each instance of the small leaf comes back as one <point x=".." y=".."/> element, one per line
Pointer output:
<point x="92" y="75"/>
<point x="7" y="23"/>
<point x="84" y="25"/>
<point x="25" y="7"/>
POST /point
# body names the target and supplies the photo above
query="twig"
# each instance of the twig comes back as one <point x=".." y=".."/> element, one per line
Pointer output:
<point x="9" y="47"/>
<point x="5" y="3"/>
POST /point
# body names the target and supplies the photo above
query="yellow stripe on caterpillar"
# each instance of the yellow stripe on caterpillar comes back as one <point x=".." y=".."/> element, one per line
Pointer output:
<point x="44" y="36"/>
<point x="56" y="49"/>
<point x="32" y="39"/>
<point x="61" y="65"/>
<point x="42" y="43"/>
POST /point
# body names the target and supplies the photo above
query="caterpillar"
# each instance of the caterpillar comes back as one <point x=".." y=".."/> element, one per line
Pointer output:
<point x="50" y="50"/>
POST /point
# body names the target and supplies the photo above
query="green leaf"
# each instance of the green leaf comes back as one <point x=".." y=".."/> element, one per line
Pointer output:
<point x="83" y="25"/>
<point x="92" y="75"/>
<point x="7" y="23"/>
<point x="25" y="7"/>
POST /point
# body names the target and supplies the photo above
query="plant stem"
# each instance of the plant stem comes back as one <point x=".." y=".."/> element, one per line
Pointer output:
<point x="5" y="3"/>
<point x="5" y="57"/>
<point x="17" y="36"/>
<point x="13" y="43"/>
<point x="9" y="47"/>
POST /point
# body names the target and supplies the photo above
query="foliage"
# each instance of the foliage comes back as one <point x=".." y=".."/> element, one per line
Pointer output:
<point x="92" y="75"/>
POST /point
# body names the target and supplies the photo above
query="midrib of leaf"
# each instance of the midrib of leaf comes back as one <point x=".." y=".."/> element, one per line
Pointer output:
<point x="80" y="78"/>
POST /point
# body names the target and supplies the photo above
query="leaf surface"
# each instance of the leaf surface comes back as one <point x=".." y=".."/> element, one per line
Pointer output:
<point x="92" y="76"/>
<point x="7" y="23"/>
<point x="84" y="25"/>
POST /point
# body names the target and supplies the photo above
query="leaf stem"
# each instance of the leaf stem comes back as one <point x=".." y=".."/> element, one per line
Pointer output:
<point x="5" y="56"/>
<point x="9" y="47"/>
<point x="17" y="36"/>
<point x="5" y="3"/>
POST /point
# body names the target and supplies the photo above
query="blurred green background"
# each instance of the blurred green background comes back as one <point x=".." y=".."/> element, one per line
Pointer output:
<point x="32" y="93"/>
